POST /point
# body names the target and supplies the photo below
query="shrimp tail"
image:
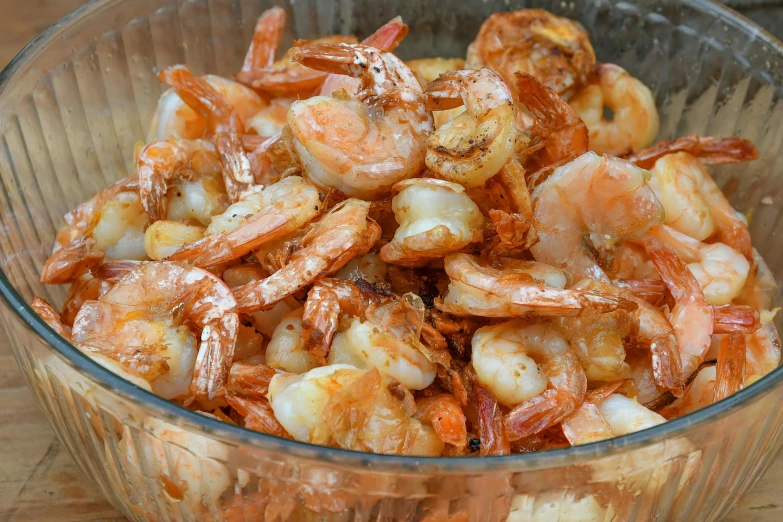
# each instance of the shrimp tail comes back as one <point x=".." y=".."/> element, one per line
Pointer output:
<point x="709" y="150"/>
<point x="71" y="261"/>
<point x="258" y="415"/>
<point x="446" y="91"/>
<point x="113" y="271"/>
<point x="539" y="413"/>
<point x="319" y="321"/>
<point x="250" y="380"/>
<point x="666" y="364"/>
<point x="445" y="415"/>
<point x="50" y="317"/>
<point x="734" y="233"/>
<point x="651" y="290"/>
<point x="735" y="318"/>
<point x="200" y="96"/>
<point x="215" y="356"/>
<point x="263" y="47"/>
<point x="333" y="58"/>
<point x="389" y="36"/>
<point x="730" y="371"/>
<point x="492" y="429"/>
<point x="237" y="175"/>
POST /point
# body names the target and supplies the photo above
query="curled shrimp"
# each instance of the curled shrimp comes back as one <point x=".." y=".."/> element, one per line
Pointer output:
<point x="342" y="234"/>
<point x="436" y="218"/>
<point x="555" y="50"/>
<point x="200" y="96"/>
<point x="586" y="424"/>
<point x="110" y="225"/>
<point x="259" y="218"/>
<point x="350" y="408"/>
<point x="635" y="120"/>
<point x="518" y="288"/>
<point x="161" y="162"/>
<point x="557" y="133"/>
<point x="654" y="332"/>
<point x="720" y="270"/>
<point x="175" y="120"/>
<point x="361" y="146"/>
<point x="694" y="203"/>
<point x="531" y="369"/>
<point x="286" y="349"/>
<point x="600" y="198"/>
<point x="474" y="146"/>
<point x="691" y="317"/>
<point x="135" y="324"/>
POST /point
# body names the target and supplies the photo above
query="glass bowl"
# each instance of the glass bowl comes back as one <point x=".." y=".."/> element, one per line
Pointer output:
<point x="75" y="101"/>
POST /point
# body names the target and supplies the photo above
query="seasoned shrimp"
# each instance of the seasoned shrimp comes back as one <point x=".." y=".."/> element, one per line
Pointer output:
<point x="720" y="270"/>
<point x="286" y="350"/>
<point x="389" y="339"/>
<point x="277" y="211"/>
<point x="344" y="233"/>
<point x="557" y="133"/>
<point x="361" y="146"/>
<point x="555" y="50"/>
<point x="635" y="121"/>
<point x="531" y="369"/>
<point x="650" y="330"/>
<point x="205" y="100"/>
<point x="475" y="145"/>
<point x="352" y="409"/>
<point x="369" y="267"/>
<point x="436" y="218"/>
<point x="691" y="317"/>
<point x="695" y="205"/>
<point x="175" y="120"/>
<point x="601" y="198"/>
<point x="109" y="225"/>
<point x="586" y="424"/>
<point x="517" y="289"/>
<point x="195" y="199"/>
<point x="181" y="350"/>
<point x="162" y="162"/>
<point x="163" y="238"/>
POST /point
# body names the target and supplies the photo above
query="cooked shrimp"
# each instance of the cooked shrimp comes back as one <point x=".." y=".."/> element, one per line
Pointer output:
<point x="601" y="198"/>
<point x="237" y="174"/>
<point x="553" y="49"/>
<point x="161" y="162"/>
<point x="730" y="369"/>
<point x="652" y="331"/>
<point x="263" y="47"/>
<point x="445" y="415"/>
<point x="626" y="416"/>
<point x="365" y="346"/>
<point x="599" y="341"/>
<point x="691" y="316"/>
<point x="475" y="145"/>
<point x="710" y="150"/>
<point x="109" y="225"/>
<point x="699" y="394"/>
<point x="436" y="218"/>
<point x="634" y="124"/>
<point x="531" y="369"/>
<point x="352" y="409"/>
<point x="196" y="199"/>
<point x="277" y="211"/>
<point x="286" y="350"/>
<point x="369" y="267"/>
<point x="735" y="318"/>
<point x="205" y="100"/>
<point x="720" y="270"/>
<point x="270" y="120"/>
<point x="175" y="120"/>
<point x="695" y="205"/>
<point x="344" y="233"/>
<point x="557" y="133"/>
<point x="518" y="288"/>
<point x="135" y="324"/>
<point x="364" y="145"/>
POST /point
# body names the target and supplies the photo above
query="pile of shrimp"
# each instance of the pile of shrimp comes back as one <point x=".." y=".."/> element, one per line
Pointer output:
<point x="435" y="257"/>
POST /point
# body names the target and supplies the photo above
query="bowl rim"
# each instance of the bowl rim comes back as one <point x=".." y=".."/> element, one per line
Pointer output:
<point x="353" y="459"/>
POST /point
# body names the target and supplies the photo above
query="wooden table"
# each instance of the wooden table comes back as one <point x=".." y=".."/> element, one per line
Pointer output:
<point x="39" y="482"/>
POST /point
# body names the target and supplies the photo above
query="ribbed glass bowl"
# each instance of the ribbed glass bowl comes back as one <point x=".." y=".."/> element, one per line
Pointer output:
<point x="73" y="104"/>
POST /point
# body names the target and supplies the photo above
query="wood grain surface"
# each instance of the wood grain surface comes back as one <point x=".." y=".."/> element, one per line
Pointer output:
<point x="38" y="479"/>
